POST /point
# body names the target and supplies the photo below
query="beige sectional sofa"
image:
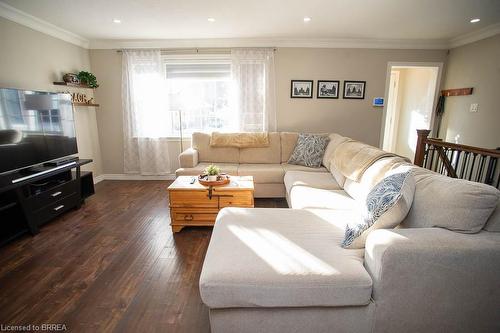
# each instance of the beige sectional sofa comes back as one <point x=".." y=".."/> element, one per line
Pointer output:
<point x="267" y="165"/>
<point x="283" y="270"/>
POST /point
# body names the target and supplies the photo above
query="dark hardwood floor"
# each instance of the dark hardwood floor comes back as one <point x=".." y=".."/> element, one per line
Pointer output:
<point x="111" y="266"/>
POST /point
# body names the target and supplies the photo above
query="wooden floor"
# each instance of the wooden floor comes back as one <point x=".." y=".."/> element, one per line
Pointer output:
<point x="111" y="266"/>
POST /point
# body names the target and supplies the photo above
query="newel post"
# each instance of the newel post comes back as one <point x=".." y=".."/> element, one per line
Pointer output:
<point x="420" y="151"/>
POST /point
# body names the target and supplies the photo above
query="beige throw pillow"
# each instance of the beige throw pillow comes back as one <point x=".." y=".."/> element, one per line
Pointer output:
<point x="450" y="203"/>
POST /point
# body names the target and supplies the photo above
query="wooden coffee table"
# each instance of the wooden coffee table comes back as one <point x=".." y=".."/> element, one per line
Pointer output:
<point x="198" y="205"/>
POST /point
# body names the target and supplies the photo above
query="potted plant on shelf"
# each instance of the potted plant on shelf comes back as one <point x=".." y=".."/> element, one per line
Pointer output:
<point x="88" y="79"/>
<point x="212" y="172"/>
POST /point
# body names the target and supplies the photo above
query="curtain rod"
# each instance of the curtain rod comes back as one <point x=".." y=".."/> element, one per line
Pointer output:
<point x="192" y="50"/>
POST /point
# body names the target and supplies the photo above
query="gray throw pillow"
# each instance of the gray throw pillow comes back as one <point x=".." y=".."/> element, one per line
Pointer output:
<point x="387" y="205"/>
<point x="309" y="150"/>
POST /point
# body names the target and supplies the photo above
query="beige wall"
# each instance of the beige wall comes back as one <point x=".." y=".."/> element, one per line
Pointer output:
<point x="474" y="65"/>
<point x="354" y="118"/>
<point x="32" y="60"/>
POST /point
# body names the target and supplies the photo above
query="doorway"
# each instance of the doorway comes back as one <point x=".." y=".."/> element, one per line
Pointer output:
<point x="411" y="95"/>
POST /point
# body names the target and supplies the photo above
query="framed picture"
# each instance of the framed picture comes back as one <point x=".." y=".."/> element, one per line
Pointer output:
<point x="328" y="89"/>
<point x="301" y="89"/>
<point x="354" y="89"/>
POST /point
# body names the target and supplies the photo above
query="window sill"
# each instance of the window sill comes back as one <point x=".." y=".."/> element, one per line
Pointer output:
<point x="178" y="139"/>
<point x="171" y="138"/>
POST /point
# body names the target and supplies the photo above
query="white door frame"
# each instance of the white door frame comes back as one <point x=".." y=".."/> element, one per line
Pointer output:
<point x="391" y="64"/>
<point x="391" y="112"/>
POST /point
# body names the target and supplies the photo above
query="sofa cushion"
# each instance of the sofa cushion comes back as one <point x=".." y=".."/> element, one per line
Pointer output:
<point x="353" y="158"/>
<point x="309" y="150"/>
<point x="493" y="223"/>
<point x="263" y="173"/>
<point x="374" y="174"/>
<point x="450" y="203"/>
<point x="239" y="139"/>
<point x="206" y="153"/>
<point x="288" y="142"/>
<point x="281" y="258"/>
<point x="228" y="168"/>
<point x="308" y="197"/>
<point x="335" y="141"/>
<point x="386" y="206"/>
<point x="339" y="177"/>
<point x="293" y="167"/>
<point x="323" y="180"/>
<point x="270" y="154"/>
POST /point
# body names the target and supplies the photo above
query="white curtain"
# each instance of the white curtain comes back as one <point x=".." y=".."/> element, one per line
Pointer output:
<point x="145" y="115"/>
<point x="253" y="73"/>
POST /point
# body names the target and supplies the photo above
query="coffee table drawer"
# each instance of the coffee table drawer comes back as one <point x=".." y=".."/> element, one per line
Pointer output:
<point x="192" y="199"/>
<point x="235" y="199"/>
<point x="189" y="217"/>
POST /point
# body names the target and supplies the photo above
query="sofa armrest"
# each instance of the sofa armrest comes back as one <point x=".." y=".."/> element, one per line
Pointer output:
<point x="188" y="158"/>
<point x="448" y="278"/>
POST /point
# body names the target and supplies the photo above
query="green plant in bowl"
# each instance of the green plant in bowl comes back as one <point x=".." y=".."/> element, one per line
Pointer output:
<point x="212" y="172"/>
<point x="88" y="79"/>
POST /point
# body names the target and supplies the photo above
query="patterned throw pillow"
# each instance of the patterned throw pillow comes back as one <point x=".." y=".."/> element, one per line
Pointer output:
<point x="387" y="205"/>
<point x="309" y="150"/>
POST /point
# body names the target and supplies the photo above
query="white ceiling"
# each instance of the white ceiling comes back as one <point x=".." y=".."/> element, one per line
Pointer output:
<point x="431" y="20"/>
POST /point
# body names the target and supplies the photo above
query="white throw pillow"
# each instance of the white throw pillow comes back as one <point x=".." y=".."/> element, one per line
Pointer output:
<point x="387" y="204"/>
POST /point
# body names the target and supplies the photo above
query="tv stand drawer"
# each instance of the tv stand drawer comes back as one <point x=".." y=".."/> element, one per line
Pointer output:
<point x="53" y="194"/>
<point x="56" y="208"/>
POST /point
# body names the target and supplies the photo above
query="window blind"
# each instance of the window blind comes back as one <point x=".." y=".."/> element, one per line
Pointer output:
<point x="213" y="70"/>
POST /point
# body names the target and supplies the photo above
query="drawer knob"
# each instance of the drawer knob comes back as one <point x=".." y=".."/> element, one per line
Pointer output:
<point x="59" y="207"/>
<point x="55" y="194"/>
<point x="188" y="217"/>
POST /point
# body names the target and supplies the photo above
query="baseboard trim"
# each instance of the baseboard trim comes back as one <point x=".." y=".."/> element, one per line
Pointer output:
<point x="98" y="179"/>
<point x="123" y="176"/>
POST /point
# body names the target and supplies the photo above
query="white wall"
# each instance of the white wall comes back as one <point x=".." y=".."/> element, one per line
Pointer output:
<point x="474" y="65"/>
<point x="33" y="60"/>
<point x="417" y="87"/>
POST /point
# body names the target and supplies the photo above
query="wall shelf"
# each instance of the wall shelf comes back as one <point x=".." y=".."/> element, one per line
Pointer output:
<point x="84" y="104"/>
<point x="75" y="85"/>
<point x="457" y="92"/>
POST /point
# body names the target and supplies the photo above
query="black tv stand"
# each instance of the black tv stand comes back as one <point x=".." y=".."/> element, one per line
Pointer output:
<point x="32" y="197"/>
<point x="60" y="162"/>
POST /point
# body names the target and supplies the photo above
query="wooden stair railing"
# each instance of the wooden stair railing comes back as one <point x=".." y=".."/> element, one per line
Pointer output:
<point x="458" y="161"/>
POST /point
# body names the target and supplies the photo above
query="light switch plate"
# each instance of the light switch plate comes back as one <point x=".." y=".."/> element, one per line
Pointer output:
<point x="473" y="107"/>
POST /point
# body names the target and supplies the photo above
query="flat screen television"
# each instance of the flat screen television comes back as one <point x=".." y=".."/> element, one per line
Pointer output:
<point x="35" y="127"/>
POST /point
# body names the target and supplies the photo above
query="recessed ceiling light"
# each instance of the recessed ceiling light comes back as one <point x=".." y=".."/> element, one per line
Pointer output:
<point x="475" y="20"/>
<point x="117" y="21"/>
<point x="307" y="19"/>
<point x="211" y="20"/>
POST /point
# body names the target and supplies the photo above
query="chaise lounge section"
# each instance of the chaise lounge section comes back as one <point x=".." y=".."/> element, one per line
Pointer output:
<point x="284" y="270"/>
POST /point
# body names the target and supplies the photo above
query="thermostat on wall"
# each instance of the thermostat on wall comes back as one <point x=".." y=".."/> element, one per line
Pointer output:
<point x="378" y="101"/>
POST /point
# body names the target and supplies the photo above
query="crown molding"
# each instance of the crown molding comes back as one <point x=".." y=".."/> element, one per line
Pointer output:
<point x="270" y="42"/>
<point x="475" y="36"/>
<point x="30" y="21"/>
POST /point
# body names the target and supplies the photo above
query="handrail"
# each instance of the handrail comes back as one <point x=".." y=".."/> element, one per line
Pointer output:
<point x="470" y="149"/>
<point x="457" y="160"/>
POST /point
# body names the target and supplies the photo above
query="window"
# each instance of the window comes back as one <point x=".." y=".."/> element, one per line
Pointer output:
<point x="200" y="89"/>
